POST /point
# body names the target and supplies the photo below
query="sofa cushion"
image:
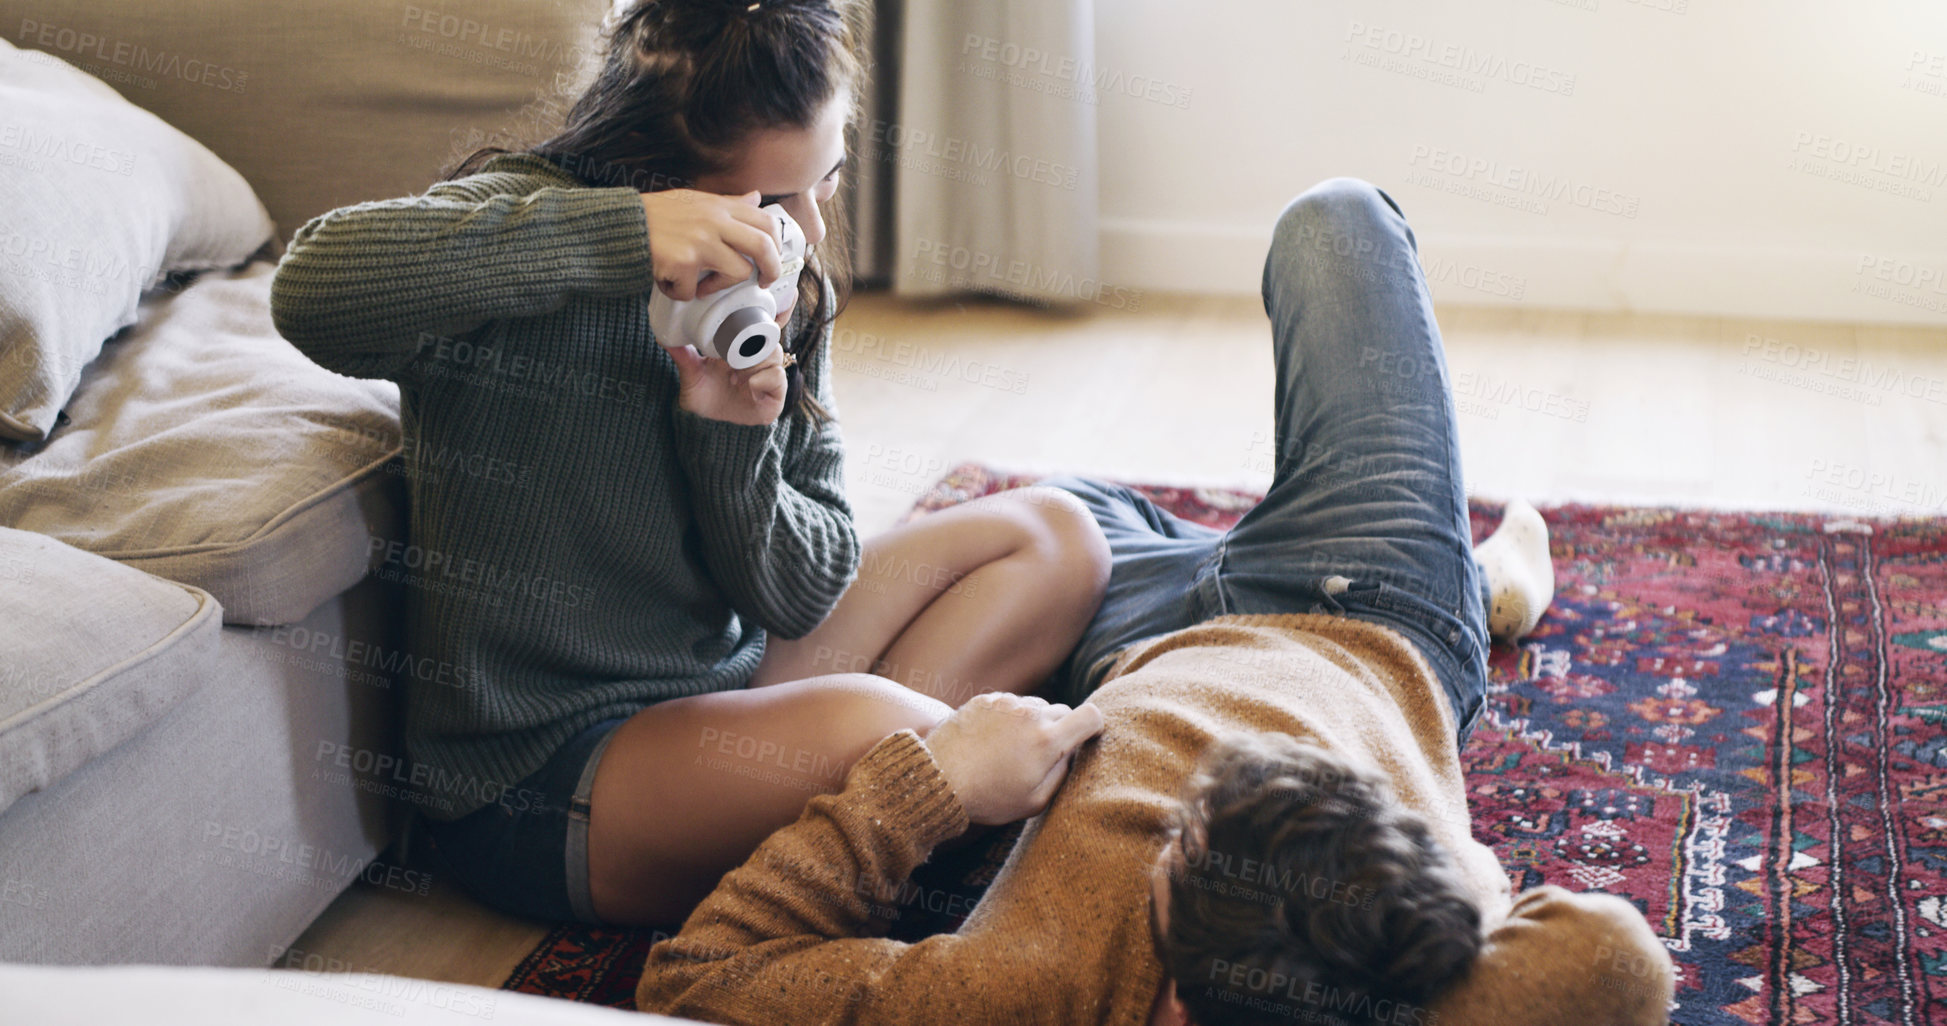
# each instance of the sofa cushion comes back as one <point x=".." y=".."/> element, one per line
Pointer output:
<point x="341" y="995"/>
<point x="95" y="652"/>
<point x="326" y="103"/>
<point x="206" y="449"/>
<point x="97" y="198"/>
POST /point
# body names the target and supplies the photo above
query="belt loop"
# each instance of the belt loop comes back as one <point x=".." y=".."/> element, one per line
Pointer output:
<point x="1329" y="589"/>
<point x="1209" y="584"/>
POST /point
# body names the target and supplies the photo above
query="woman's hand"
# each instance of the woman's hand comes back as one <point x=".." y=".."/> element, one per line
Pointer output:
<point x="754" y="395"/>
<point x="693" y="233"/>
<point x="1006" y="755"/>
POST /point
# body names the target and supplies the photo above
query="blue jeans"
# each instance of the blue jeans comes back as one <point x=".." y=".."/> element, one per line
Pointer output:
<point x="1367" y="515"/>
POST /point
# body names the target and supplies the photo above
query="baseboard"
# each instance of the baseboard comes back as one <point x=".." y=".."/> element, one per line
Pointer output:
<point x="1602" y="275"/>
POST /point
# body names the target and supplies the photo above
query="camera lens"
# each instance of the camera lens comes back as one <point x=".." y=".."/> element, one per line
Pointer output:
<point x="743" y="336"/>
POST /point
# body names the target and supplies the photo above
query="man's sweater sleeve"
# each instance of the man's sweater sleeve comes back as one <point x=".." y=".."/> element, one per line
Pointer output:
<point x="776" y="528"/>
<point x="777" y="941"/>
<point x="1563" y="957"/>
<point x="363" y="289"/>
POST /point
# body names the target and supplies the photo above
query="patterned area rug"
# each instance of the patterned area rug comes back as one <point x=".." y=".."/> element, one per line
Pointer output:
<point x="1736" y="721"/>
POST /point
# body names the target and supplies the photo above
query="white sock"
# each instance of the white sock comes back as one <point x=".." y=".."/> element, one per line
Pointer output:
<point x="1520" y="577"/>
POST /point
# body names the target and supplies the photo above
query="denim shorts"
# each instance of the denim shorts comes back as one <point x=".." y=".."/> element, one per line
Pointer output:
<point x="532" y="860"/>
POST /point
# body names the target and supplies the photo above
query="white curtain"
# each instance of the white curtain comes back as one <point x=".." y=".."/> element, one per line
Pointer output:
<point x="977" y="149"/>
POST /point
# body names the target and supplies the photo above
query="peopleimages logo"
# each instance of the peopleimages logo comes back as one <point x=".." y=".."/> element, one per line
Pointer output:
<point x="1524" y="183"/>
<point x="65" y="150"/>
<point x="1902" y="281"/>
<point x="427" y="567"/>
<point x="392" y="776"/>
<point x="901" y="361"/>
<point x="501" y="39"/>
<point x="1266" y="990"/>
<point x="1447" y="63"/>
<point x="134" y="56"/>
<point x="1850" y="377"/>
<point x="962" y="267"/>
<point x="1866" y="165"/>
<point x="91" y="262"/>
<point x="244" y="848"/>
<point x="906" y="145"/>
<point x="514" y="373"/>
<point x="1090" y="80"/>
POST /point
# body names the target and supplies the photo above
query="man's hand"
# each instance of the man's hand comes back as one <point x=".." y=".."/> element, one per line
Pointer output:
<point x="1006" y="755"/>
<point x="754" y="395"/>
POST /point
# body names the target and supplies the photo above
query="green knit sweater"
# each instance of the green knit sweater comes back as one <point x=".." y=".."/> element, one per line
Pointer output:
<point x="580" y="547"/>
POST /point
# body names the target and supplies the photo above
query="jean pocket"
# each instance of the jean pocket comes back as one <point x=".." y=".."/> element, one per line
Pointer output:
<point x="1439" y="623"/>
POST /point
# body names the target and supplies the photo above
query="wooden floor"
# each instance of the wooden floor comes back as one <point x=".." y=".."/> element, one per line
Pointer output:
<point x="1553" y="406"/>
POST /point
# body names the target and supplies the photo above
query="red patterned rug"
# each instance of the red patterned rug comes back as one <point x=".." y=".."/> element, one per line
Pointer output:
<point x="1737" y="721"/>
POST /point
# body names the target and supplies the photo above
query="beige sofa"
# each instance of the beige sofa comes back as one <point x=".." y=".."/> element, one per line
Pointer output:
<point x="202" y="656"/>
<point x="114" y="995"/>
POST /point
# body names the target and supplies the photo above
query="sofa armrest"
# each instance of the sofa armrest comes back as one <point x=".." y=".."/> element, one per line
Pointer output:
<point x="96" y="651"/>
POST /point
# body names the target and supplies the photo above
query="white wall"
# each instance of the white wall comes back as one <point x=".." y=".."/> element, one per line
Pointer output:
<point x="1723" y="126"/>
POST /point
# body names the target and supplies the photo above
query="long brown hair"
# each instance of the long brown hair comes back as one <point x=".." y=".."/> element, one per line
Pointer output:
<point x="685" y="82"/>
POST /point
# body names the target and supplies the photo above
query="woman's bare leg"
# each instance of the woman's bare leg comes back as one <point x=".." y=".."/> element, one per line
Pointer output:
<point x="689" y="787"/>
<point x="989" y="595"/>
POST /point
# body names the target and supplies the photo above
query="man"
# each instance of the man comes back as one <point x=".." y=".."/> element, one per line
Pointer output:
<point x="1271" y="823"/>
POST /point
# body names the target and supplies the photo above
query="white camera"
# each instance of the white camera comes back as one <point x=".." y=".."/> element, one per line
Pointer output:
<point x="737" y="325"/>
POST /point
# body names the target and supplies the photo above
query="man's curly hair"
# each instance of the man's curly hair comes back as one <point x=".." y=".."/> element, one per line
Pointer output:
<point x="1300" y="890"/>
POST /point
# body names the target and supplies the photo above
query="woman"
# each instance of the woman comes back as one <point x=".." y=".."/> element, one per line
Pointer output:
<point x="650" y="598"/>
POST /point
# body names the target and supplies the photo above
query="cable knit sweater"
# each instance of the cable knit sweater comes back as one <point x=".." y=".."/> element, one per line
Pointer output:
<point x="1062" y="935"/>
<point x="580" y="547"/>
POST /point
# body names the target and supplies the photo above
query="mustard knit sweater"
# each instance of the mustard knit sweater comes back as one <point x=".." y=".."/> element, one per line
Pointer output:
<point x="1062" y="935"/>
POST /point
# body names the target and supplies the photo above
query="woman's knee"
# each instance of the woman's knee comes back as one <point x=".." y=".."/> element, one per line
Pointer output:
<point x="1088" y="492"/>
<point x="1061" y="533"/>
<point x="864" y="709"/>
<point x="1104" y="503"/>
